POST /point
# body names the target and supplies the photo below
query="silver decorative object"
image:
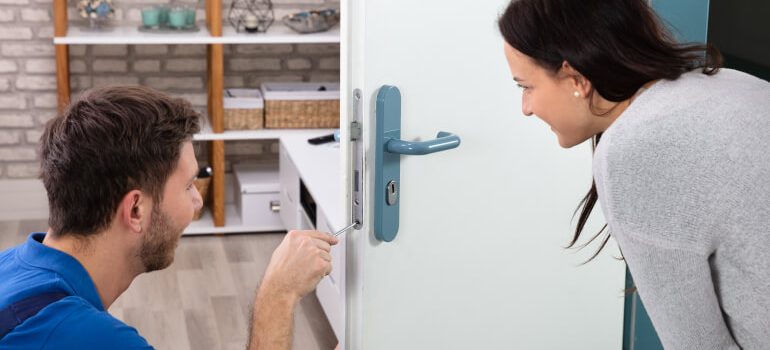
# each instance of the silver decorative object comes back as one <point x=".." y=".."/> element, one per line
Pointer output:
<point x="251" y="15"/>
<point x="312" y="21"/>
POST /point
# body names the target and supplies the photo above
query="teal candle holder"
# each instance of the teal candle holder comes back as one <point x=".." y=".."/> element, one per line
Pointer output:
<point x="177" y="18"/>
<point x="151" y="17"/>
<point x="190" y="17"/>
<point x="163" y="14"/>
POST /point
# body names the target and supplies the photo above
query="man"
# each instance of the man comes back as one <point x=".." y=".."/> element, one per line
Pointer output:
<point x="118" y="166"/>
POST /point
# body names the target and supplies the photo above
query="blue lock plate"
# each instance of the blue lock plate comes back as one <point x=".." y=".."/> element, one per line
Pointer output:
<point x="387" y="161"/>
<point x="387" y="165"/>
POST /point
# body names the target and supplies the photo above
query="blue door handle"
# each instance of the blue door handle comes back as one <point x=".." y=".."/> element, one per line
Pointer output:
<point x="443" y="141"/>
<point x="387" y="161"/>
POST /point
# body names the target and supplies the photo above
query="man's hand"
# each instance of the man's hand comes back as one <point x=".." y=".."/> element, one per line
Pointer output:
<point x="299" y="263"/>
<point x="296" y="267"/>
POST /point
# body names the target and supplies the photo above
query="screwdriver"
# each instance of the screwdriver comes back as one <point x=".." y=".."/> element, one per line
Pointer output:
<point x="345" y="229"/>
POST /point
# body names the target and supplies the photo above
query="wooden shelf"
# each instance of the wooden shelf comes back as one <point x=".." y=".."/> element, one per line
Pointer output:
<point x="130" y="35"/>
<point x="206" y="224"/>
<point x="207" y="134"/>
<point x="279" y="34"/>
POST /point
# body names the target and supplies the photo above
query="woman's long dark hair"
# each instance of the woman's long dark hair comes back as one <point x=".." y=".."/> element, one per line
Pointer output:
<point x="618" y="45"/>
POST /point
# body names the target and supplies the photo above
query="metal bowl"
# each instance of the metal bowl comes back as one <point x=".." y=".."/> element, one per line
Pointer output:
<point x="312" y="21"/>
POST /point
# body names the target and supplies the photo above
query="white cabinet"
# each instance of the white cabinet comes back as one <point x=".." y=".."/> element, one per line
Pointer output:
<point x="331" y="290"/>
<point x="310" y="199"/>
<point x="289" y="179"/>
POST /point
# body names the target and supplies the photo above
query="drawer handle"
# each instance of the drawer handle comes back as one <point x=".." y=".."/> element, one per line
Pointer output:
<point x="275" y="206"/>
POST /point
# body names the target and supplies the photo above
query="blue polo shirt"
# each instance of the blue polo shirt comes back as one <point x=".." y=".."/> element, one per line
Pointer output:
<point x="78" y="321"/>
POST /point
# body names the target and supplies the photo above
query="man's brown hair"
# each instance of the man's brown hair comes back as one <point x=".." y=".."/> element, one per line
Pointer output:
<point x="108" y="142"/>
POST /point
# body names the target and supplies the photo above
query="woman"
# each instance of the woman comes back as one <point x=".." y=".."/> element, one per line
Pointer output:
<point x="683" y="166"/>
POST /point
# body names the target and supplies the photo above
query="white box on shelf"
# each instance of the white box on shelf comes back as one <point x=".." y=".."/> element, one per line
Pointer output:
<point x="257" y="194"/>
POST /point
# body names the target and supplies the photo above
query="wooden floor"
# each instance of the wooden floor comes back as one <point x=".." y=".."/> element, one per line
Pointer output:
<point x="203" y="300"/>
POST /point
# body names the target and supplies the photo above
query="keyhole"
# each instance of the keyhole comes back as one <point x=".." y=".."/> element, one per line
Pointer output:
<point x="392" y="193"/>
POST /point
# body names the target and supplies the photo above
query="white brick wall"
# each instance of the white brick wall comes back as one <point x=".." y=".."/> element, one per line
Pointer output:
<point x="264" y="49"/>
<point x="104" y="80"/>
<point x="40" y="65"/>
<point x="174" y="83"/>
<point x="77" y="66"/>
<point x="142" y="66"/>
<point x="186" y="65"/>
<point x="110" y="65"/>
<point x="10" y="137"/>
<point x="8" y="32"/>
<point x="45" y="100"/>
<point x="15" y="121"/>
<point x="28" y="96"/>
<point x="36" y="82"/>
<point x="109" y="50"/>
<point x="13" y="101"/>
<point x="189" y="50"/>
<point x="26" y="49"/>
<point x="250" y="64"/>
<point x="23" y="170"/>
<point x="298" y="63"/>
<point x="33" y="136"/>
<point x="6" y="15"/>
<point x="17" y="153"/>
<point x="14" y="2"/>
<point x="36" y="15"/>
<point x="146" y="50"/>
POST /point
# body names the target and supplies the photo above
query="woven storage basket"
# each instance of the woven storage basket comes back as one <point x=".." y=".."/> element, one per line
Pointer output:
<point x="302" y="105"/>
<point x="244" y="109"/>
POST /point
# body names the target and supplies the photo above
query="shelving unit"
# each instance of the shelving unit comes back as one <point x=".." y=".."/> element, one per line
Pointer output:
<point x="130" y="35"/>
<point x="205" y="225"/>
<point x="207" y="133"/>
<point x="215" y="37"/>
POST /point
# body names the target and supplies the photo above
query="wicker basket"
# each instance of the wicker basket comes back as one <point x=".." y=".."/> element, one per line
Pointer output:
<point x="202" y="184"/>
<point x="243" y="109"/>
<point x="301" y="105"/>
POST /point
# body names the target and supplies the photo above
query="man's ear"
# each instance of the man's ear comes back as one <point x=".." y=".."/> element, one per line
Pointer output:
<point x="579" y="82"/>
<point x="133" y="209"/>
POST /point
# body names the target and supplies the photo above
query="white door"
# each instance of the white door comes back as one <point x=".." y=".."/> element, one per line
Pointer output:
<point x="478" y="260"/>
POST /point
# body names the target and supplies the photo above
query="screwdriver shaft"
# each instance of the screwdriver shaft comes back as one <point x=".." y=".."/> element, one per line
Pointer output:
<point x="345" y="229"/>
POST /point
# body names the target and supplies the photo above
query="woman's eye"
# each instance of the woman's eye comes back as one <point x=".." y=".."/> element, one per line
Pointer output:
<point x="522" y="87"/>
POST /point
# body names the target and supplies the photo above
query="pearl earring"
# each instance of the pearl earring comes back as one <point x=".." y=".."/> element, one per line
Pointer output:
<point x="576" y="93"/>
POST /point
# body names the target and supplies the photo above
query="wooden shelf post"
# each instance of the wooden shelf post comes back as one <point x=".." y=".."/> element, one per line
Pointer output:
<point x="216" y="76"/>
<point x="62" y="55"/>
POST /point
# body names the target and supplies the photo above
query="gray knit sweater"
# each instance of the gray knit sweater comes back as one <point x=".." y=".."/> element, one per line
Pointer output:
<point x="683" y="177"/>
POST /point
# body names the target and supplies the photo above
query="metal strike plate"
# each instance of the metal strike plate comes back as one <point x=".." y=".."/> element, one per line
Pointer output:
<point x="357" y="142"/>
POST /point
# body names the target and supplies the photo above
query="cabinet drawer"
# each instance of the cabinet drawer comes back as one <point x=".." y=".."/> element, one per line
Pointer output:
<point x="260" y="209"/>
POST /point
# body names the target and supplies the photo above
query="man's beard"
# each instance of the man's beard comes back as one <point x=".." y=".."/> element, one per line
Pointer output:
<point x="159" y="243"/>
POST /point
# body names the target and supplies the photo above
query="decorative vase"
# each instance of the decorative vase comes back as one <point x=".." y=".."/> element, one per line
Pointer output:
<point x="97" y="12"/>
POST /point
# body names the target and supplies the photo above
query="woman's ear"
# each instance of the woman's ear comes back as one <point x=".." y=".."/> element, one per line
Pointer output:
<point x="133" y="209"/>
<point x="580" y="84"/>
